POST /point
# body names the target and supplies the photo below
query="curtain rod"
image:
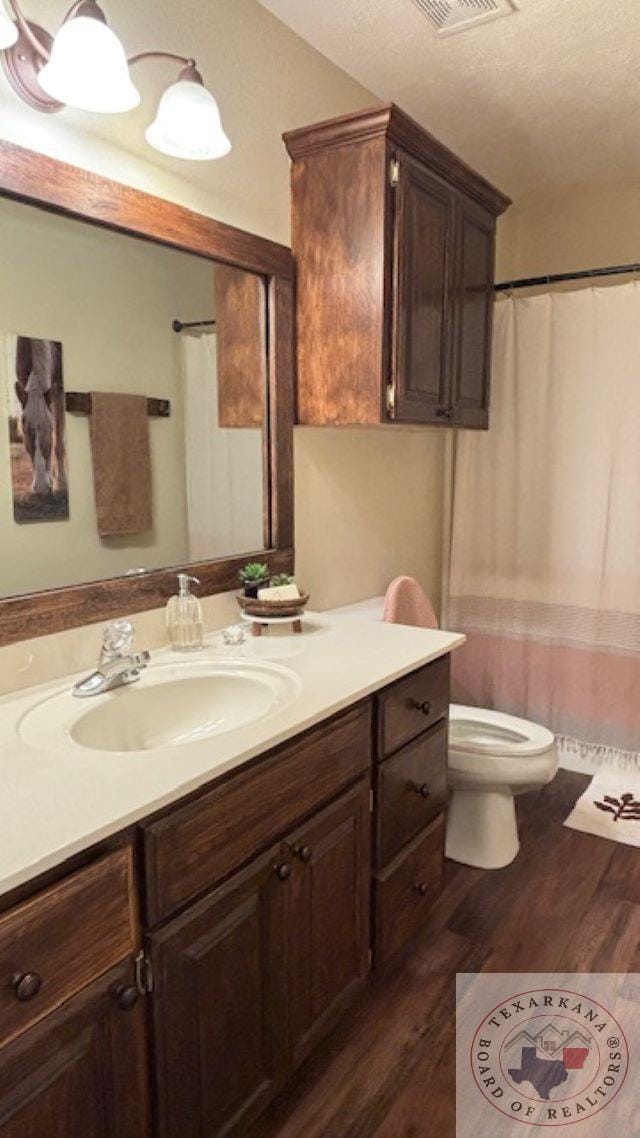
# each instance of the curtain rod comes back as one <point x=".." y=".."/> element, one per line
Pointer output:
<point x="554" y="278"/>
<point x="178" y="325"/>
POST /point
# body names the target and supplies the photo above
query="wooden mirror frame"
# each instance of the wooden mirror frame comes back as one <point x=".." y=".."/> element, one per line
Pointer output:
<point x="48" y="184"/>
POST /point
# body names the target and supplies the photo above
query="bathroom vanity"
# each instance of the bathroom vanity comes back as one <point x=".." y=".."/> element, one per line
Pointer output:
<point x="198" y="872"/>
<point x="203" y="949"/>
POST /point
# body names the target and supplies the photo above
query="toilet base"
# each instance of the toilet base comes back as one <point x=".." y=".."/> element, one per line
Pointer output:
<point x="482" y="828"/>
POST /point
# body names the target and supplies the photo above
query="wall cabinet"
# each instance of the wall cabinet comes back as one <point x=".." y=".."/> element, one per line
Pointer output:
<point x="394" y="241"/>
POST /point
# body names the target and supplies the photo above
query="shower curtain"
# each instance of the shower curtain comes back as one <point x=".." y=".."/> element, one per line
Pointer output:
<point x="224" y="467"/>
<point x="545" y="531"/>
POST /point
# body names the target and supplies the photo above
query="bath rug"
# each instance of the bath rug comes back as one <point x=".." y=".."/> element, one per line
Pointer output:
<point x="609" y="808"/>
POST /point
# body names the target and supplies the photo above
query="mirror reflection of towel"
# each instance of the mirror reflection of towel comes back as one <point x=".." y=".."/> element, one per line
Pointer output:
<point x="119" y="432"/>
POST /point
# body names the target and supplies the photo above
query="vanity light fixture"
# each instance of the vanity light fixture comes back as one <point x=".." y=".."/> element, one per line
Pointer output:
<point x="85" y="66"/>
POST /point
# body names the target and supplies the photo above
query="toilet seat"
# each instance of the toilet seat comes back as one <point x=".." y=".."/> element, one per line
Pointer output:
<point x="480" y="731"/>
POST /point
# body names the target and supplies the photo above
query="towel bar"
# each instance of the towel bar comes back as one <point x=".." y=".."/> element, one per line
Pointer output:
<point x="79" y="402"/>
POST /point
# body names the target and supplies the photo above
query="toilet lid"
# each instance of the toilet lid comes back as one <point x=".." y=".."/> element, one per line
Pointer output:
<point x="479" y="730"/>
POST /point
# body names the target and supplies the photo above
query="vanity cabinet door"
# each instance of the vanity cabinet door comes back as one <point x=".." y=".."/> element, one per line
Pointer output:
<point x="330" y="915"/>
<point x="424" y="261"/>
<point x="220" y="1006"/>
<point x="80" y="1072"/>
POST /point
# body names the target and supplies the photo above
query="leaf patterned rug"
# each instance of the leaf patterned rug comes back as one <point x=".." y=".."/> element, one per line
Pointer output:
<point x="610" y="808"/>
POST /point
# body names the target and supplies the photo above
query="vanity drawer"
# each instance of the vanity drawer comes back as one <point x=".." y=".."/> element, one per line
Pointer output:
<point x="192" y="848"/>
<point x="406" y="890"/>
<point x="411" y="791"/>
<point x="412" y="705"/>
<point x="62" y="939"/>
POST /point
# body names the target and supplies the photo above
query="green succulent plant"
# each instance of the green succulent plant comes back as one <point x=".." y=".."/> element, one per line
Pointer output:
<point x="282" y="579"/>
<point x="254" y="572"/>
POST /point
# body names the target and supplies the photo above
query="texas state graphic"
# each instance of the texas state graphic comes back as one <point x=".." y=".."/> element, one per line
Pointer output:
<point x="545" y="1074"/>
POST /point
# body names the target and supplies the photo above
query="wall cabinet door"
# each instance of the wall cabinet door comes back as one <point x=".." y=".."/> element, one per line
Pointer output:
<point x="473" y="314"/>
<point x="80" y="1072"/>
<point x="220" y="1004"/>
<point x="424" y="248"/>
<point x="329" y="915"/>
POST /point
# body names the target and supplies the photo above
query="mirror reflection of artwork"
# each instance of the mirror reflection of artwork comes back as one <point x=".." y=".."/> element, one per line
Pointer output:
<point x="34" y="396"/>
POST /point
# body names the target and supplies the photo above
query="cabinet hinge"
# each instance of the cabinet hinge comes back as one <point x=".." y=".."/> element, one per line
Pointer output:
<point x="391" y="400"/>
<point x="371" y="801"/>
<point x="394" y="172"/>
<point x="370" y="957"/>
<point x="144" y="974"/>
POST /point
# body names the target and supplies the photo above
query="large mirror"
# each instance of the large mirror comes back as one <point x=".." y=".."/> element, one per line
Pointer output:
<point x="95" y="483"/>
<point x="145" y="396"/>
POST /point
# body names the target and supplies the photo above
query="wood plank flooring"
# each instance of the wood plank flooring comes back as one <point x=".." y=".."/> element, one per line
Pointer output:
<point x="570" y="902"/>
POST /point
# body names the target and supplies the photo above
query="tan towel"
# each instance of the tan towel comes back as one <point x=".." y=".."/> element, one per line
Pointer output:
<point x="119" y="432"/>
<point x="407" y="603"/>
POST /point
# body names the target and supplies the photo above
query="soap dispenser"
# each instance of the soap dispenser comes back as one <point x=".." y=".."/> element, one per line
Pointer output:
<point x="184" y="617"/>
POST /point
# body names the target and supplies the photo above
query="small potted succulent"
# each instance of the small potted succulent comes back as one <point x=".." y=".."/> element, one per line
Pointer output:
<point x="254" y="576"/>
<point x="282" y="579"/>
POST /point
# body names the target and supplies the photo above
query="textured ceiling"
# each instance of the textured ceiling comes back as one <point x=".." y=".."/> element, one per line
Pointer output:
<point x="539" y="101"/>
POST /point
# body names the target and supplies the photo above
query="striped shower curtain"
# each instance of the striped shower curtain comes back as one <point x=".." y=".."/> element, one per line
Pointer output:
<point x="545" y="531"/>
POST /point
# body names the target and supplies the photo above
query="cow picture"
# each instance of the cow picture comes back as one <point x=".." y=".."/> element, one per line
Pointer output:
<point x="34" y="391"/>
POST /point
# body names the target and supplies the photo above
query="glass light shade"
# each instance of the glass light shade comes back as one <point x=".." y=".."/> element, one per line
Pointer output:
<point x="187" y="124"/>
<point x="88" y="68"/>
<point x="8" y="30"/>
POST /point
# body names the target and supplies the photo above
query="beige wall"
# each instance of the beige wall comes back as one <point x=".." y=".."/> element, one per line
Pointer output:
<point x="110" y="300"/>
<point x="567" y="232"/>
<point x="368" y="504"/>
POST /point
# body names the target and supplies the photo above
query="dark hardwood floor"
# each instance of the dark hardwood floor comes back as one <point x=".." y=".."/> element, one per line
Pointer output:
<point x="570" y="902"/>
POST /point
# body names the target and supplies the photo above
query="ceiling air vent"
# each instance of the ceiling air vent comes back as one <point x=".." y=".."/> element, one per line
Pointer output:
<point x="448" y="16"/>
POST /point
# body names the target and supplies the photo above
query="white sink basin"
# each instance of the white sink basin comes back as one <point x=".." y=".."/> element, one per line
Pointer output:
<point x="170" y="706"/>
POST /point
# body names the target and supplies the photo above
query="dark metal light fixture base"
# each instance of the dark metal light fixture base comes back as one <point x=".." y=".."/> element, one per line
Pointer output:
<point x="22" y="63"/>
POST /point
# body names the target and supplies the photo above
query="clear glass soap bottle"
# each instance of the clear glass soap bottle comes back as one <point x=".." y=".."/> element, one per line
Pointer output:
<point x="184" y="617"/>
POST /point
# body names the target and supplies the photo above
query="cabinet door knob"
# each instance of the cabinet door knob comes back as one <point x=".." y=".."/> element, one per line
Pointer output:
<point x="283" y="871"/>
<point x="304" y="852"/>
<point x="422" y="888"/>
<point x="423" y="705"/>
<point x="444" y="412"/>
<point x="423" y="789"/>
<point x="126" y="996"/>
<point x="26" y="985"/>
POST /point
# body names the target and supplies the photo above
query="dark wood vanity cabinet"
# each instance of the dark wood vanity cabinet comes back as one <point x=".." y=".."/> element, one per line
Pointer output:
<point x="394" y="241"/>
<point x="410" y="796"/>
<point x="247" y="980"/>
<point x="82" y="1071"/>
<point x="266" y="897"/>
<point x="73" y="1045"/>
<point x="220" y="1003"/>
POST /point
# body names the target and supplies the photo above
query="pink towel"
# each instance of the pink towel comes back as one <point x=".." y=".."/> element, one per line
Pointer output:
<point x="407" y="603"/>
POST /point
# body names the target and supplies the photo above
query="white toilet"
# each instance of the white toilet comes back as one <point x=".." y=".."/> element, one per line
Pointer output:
<point x="492" y="757"/>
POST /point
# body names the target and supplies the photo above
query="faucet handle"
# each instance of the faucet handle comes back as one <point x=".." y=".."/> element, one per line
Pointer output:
<point x="117" y="640"/>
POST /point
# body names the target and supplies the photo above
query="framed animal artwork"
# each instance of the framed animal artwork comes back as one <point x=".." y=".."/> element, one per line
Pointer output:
<point x="33" y="382"/>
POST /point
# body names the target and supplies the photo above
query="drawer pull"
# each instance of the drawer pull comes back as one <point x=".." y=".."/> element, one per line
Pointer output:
<point x="283" y="871"/>
<point x="303" y="852"/>
<point x="126" y="996"/>
<point x="423" y="789"/>
<point x="422" y="705"/>
<point x="26" y="985"/>
<point x="422" y="888"/>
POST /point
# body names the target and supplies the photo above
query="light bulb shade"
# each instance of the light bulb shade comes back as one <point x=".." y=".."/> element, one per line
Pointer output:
<point x="8" y="30"/>
<point x="88" y="68"/>
<point x="187" y="124"/>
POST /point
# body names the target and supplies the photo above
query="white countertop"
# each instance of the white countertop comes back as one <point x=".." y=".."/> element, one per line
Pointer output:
<point x="55" y="803"/>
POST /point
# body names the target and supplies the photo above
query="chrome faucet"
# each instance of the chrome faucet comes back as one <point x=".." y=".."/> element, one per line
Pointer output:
<point x="118" y="664"/>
